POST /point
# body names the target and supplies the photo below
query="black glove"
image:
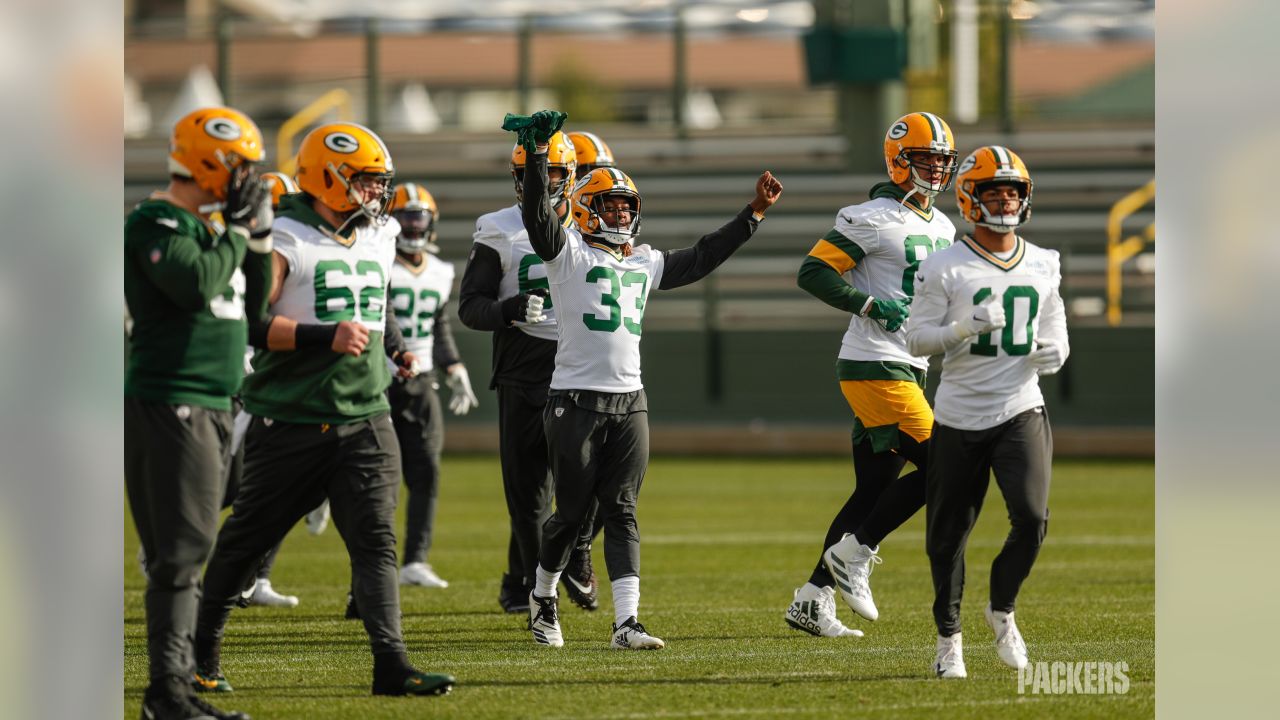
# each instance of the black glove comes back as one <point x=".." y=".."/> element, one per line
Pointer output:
<point x="516" y="307"/>
<point x="248" y="205"/>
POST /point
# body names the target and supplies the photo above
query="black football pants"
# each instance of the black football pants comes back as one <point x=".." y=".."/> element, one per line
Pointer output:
<point x="415" y="412"/>
<point x="174" y="461"/>
<point x="1020" y="454"/>
<point x="289" y="468"/>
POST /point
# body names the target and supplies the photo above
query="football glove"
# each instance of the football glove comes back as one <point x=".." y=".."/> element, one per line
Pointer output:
<point x="534" y="130"/>
<point x="987" y="315"/>
<point x="248" y="208"/>
<point x="890" y="313"/>
<point x="1048" y="357"/>
<point x="463" y="398"/>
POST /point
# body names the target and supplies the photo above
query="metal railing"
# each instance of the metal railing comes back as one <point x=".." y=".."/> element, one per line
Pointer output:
<point x="1119" y="250"/>
<point x="337" y="98"/>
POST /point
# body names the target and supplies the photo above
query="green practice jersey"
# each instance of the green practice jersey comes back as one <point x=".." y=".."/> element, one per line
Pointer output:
<point x="330" y="279"/>
<point x="185" y="292"/>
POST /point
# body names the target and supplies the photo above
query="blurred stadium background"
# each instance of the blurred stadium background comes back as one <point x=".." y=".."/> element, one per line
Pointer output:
<point x="695" y="99"/>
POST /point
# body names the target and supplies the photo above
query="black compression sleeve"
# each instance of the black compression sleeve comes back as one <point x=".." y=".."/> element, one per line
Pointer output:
<point x="545" y="233"/>
<point x="691" y="264"/>
<point x="478" y="306"/>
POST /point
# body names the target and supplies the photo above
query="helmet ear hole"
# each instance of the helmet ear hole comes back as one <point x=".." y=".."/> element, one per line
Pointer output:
<point x="208" y="165"/>
<point x="328" y="180"/>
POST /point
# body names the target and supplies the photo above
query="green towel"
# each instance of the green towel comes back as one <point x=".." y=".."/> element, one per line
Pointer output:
<point x="536" y="129"/>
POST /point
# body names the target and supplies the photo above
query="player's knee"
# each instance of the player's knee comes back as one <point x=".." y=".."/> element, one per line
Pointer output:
<point x="1030" y="528"/>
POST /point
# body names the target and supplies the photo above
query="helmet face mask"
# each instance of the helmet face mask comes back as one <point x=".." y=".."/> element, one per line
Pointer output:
<point x="415" y="209"/>
<point x="918" y="146"/>
<point x="989" y="168"/>
<point x="588" y="206"/>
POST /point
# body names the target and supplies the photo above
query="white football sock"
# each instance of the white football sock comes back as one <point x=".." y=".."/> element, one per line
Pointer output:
<point x="544" y="585"/>
<point x="626" y="598"/>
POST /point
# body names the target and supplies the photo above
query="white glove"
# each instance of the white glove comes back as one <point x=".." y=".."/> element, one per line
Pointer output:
<point x="987" y="315"/>
<point x="462" y="398"/>
<point x="1048" y="357"/>
<point x="533" y="310"/>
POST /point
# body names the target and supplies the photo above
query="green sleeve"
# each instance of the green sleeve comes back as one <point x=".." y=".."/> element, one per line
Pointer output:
<point x="188" y="274"/>
<point x="822" y="281"/>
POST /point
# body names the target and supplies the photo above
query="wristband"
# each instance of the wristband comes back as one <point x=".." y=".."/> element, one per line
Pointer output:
<point x="314" y="335"/>
<point x="260" y="243"/>
<point x="866" y="307"/>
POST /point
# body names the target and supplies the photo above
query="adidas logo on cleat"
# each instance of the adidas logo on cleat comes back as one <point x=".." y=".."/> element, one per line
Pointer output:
<point x="804" y="616"/>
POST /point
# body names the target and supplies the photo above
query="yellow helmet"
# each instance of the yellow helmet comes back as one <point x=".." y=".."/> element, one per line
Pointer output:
<point x="993" y="165"/>
<point x="417" y="213"/>
<point x="592" y="152"/>
<point x="280" y="185"/>
<point x="560" y="154"/>
<point x="209" y="143"/>
<point x="913" y="134"/>
<point x="335" y="159"/>
<point x="587" y="202"/>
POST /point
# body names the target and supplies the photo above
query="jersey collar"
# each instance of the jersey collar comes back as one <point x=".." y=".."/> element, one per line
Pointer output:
<point x="1019" y="251"/>
<point x="415" y="269"/>
<point x="889" y="190"/>
<point x="297" y="207"/>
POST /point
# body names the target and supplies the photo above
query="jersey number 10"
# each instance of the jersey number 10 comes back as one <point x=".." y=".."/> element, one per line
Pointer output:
<point x="1013" y="310"/>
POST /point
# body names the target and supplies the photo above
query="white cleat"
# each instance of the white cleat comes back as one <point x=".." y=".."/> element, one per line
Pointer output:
<point x="544" y="621"/>
<point x="263" y="594"/>
<point x="631" y="635"/>
<point x="814" y="611"/>
<point x="318" y="519"/>
<point x="849" y="563"/>
<point x="1009" y="645"/>
<point x="422" y="575"/>
<point x="950" y="660"/>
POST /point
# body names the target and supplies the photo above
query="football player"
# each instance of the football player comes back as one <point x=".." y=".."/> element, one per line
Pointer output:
<point x="865" y="265"/>
<point x="991" y="305"/>
<point x="321" y="423"/>
<point x="596" y="418"/>
<point x="420" y="288"/>
<point x="591" y="151"/>
<point x="505" y="290"/>
<point x="189" y="286"/>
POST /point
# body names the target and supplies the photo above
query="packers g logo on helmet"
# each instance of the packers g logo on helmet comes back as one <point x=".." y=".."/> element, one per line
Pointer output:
<point x="908" y="146"/>
<point x="208" y="144"/>
<point x="586" y="203"/>
<point x="987" y="166"/>
<point x="341" y="142"/>
<point x="592" y="152"/>
<point x="560" y="154"/>
<point x="338" y="163"/>
<point x="415" y="209"/>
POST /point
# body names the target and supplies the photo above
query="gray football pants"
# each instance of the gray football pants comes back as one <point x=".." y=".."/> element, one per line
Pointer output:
<point x="415" y="412"/>
<point x="1020" y="454"/>
<point x="600" y="457"/>
<point x="288" y="470"/>
<point x="174" y="461"/>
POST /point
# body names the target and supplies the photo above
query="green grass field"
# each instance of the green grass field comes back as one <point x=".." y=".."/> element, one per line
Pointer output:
<point x="725" y="541"/>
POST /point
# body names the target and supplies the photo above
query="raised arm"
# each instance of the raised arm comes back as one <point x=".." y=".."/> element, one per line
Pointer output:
<point x="691" y="264"/>
<point x="540" y="220"/>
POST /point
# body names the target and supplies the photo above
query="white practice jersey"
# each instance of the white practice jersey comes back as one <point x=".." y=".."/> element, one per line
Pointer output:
<point x="522" y="268"/>
<point x="601" y="298"/>
<point x="988" y="379"/>
<point x="892" y="239"/>
<point x="329" y="281"/>
<point x="417" y="293"/>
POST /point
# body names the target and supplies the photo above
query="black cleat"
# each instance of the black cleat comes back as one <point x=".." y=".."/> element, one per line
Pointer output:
<point x="216" y="713"/>
<point x="579" y="580"/>
<point x="172" y="707"/>
<point x="513" y="595"/>
<point x="416" y="683"/>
